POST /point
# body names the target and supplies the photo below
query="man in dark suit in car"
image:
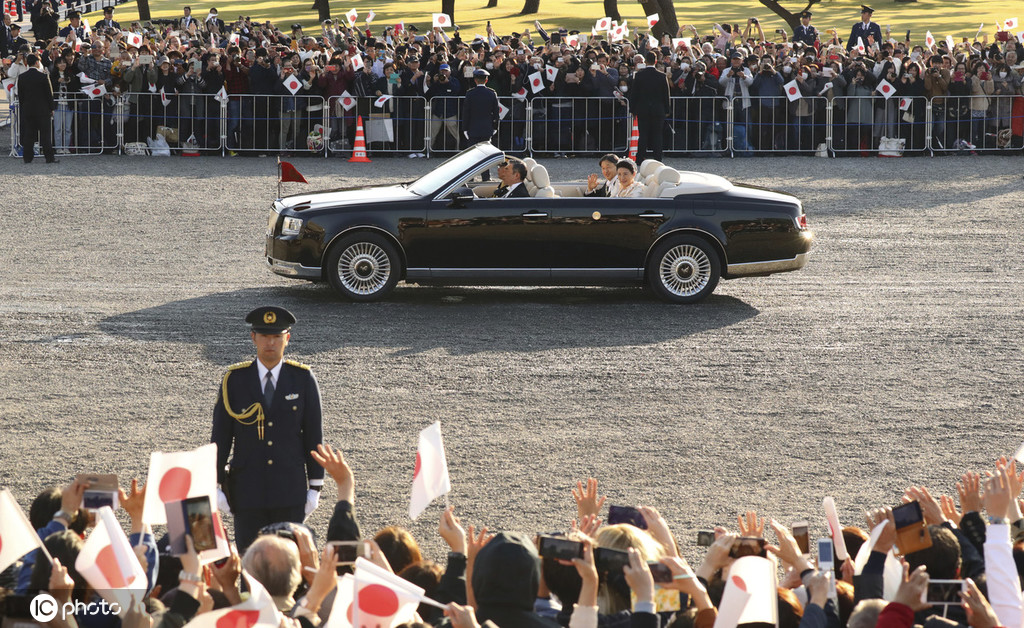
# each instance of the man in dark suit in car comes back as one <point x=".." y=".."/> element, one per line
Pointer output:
<point x="512" y="178"/>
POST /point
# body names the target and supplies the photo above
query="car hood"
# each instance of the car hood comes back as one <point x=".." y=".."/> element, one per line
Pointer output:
<point x="345" y="196"/>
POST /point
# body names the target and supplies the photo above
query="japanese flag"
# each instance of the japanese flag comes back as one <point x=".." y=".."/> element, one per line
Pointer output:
<point x="502" y="111"/>
<point x="861" y="48"/>
<point x="441" y="20"/>
<point x="755" y="577"/>
<point x="379" y="103"/>
<point x="94" y="91"/>
<point x="521" y="94"/>
<point x="233" y="39"/>
<point x="292" y="84"/>
<point x="133" y="39"/>
<point x="12" y="90"/>
<point x="108" y="563"/>
<point x="551" y="72"/>
<point x="1010" y="24"/>
<point x="179" y="475"/>
<point x="680" y="42"/>
<point x="399" y="27"/>
<point x="652" y="42"/>
<point x="85" y="27"/>
<point x="734" y="601"/>
<point x="351" y="17"/>
<point x="603" y="24"/>
<point x="221" y="95"/>
<point x="430" y="477"/>
<point x="792" y="90"/>
<point x="929" y="39"/>
<point x="370" y="16"/>
<point x="573" y="41"/>
<point x="17" y="536"/>
<point x="619" y="32"/>
<point x="347" y="100"/>
<point x="904" y="104"/>
<point x="164" y="100"/>
<point x="383" y="598"/>
<point x="152" y="88"/>
<point x="1020" y="37"/>
<point x="536" y="82"/>
<point x="949" y="43"/>
<point x="258" y="611"/>
<point x="357" y="62"/>
<point x="652" y="20"/>
<point x="828" y="503"/>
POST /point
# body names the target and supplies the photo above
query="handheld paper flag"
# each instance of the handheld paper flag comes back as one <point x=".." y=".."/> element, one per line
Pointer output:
<point x="904" y="104"/>
<point x="886" y="89"/>
<point x="221" y="95"/>
<point x="370" y="16"/>
<point x="95" y="91"/>
<point x="828" y="503"/>
<point x="502" y="111"/>
<point x="551" y="72"/>
<point x="379" y="103"/>
<point x="1010" y="24"/>
<point x="179" y="475"/>
<point x="792" y="91"/>
<point x="357" y="62"/>
<point x="929" y="40"/>
<point x="536" y="82"/>
<point x="652" y="20"/>
<point x="108" y="563"/>
<point x="603" y="24"/>
<point x="430" y="477"/>
<point x="347" y="101"/>
<point x="292" y="84"/>
<point x="441" y="20"/>
<point x="351" y="17"/>
<point x="17" y="537"/>
<point x="164" y="100"/>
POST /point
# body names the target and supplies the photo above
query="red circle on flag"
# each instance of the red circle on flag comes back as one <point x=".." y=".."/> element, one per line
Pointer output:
<point x="378" y="600"/>
<point x="440" y="19"/>
<point x="1" y="543"/>
<point x="885" y="89"/>
<point x="238" y="619"/>
<point x="739" y="583"/>
<point x="346" y="101"/>
<point x="106" y="560"/>
<point x="792" y="90"/>
<point x="536" y="81"/>
<point x="175" y="484"/>
<point x="416" y="470"/>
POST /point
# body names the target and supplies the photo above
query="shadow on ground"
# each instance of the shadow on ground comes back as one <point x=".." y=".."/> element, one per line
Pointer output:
<point x="460" y="321"/>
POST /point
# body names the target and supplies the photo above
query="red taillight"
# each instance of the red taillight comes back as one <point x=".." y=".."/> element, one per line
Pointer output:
<point x="801" y="221"/>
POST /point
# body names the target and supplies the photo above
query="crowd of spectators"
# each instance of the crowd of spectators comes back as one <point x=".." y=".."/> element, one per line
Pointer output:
<point x="168" y="73"/>
<point x="503" y="579"/>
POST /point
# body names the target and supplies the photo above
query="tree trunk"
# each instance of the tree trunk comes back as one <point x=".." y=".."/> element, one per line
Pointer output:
<point x="323" y="8"/>
<point x="611" y="9"/>
<point x="530" y="6"/>
<point x="668" y="23"/>
<point x="448" y="8"/>
<point x="143" y="6"/>
<point x="792" y="19"/>
<point x="492" y="3"/>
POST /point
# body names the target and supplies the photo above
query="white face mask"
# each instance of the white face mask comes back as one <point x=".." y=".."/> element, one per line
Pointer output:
<point x="803" y="75"/>
<point x="787" y="69"/>
<point x="536" y="66"/>
<point x="624" y="89"/>
<point x="1002" y="75"/>
<point x="684" y="66"/>
<point x="641" y="66"/>
<point x="489" y="66"/>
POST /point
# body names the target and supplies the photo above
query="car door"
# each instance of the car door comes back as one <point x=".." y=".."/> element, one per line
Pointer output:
<point x="484" y="238"/>
<point x="606" y="238"/>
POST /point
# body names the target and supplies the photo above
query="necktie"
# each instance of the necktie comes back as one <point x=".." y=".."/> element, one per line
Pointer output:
<point x="268" y="390"/>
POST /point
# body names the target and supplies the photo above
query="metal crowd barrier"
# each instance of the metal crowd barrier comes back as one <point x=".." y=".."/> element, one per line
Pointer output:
<point x="579" y="125"/>
<point x="844" y="125"/>
<point x="398" y="126"/>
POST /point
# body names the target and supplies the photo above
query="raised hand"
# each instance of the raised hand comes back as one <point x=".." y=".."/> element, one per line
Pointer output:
<point x="751" y="526"/>
<point x="588" y="526"/>
<point x="912" y="588"/>
<point x="998" y="493"/>
<point x="587" y="500"/>
<point x="60" y="584"/>
<point x="788" y="551"/>
<point x="929" y="505"/>
<point x="334" y="463"/>
<point x="658" y="528"/>
<point x="307" y="553"/>
<point x="888" y="536"/>
<point x="475" y="542"/>
<point x="451" y="530"/>
<point x="717" y="556"/>
<point x="132" y="503"/>
<point x="638" y="577"/>
<point x="969" y="491"/>
<point x="979" y="612"/>
<point x="948" y="505"/>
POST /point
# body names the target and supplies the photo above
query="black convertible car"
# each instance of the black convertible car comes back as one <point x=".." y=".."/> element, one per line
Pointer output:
<point x="688" y="231"/>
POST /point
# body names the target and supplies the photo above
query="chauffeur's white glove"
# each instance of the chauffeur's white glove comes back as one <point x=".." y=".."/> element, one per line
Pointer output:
<point x="222" y="502"/>
<point x="312" y="501"/>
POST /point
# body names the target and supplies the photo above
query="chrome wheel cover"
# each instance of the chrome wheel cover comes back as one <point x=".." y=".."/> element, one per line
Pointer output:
<point x="685" y="270"/>
<point x="364" y="268"/>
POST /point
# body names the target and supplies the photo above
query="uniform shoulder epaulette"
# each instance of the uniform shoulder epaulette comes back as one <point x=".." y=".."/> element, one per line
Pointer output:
<point x="297" y="364"/>
<point x="240" y="365"/>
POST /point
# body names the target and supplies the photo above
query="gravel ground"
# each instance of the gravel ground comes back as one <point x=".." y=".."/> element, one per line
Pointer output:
<point x="893" y="358"/>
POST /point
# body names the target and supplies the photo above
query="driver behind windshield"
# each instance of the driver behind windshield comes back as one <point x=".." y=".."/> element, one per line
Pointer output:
<point x="610" y="185"/>
<point x="512" y="173"/>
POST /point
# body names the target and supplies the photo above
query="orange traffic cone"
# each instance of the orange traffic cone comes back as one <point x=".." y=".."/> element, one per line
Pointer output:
<point x="359" y="150"/>
<point x="634" y="140"/>
<point x="12" y="10"/>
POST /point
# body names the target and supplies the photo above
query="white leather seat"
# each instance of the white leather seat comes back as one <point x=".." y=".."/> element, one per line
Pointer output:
<point x="530" y="164"/>
<point x="647" y="168"/>
<point x="543" y="182"/>
<point x="668" y="178"/>
<point x="651" y="182"/>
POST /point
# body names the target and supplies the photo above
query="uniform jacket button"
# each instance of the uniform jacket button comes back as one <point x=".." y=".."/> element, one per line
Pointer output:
<point x="270" y="443"/>
<point x="270" y="462"/>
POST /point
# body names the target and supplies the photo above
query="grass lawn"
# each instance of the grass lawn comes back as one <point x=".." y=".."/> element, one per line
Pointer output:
<point x="959" y="18"/>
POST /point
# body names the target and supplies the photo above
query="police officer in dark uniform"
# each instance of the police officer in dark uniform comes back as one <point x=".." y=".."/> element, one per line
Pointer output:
<point x="268" y="410"/>
<point x="75" y="26"/>
<point x="108" y="19"/>
<point x="864" y="28"/>
<point x="805" y="33"/>
<point x="480" y="113"/>
<point x="649" y="101"/>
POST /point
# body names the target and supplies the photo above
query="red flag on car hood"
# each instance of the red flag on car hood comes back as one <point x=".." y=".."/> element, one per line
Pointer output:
<point x="289" y="173"/>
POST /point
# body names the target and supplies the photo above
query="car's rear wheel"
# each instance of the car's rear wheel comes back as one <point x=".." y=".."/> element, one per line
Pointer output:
<point x="683" y="269"/>
<point x="363" y="266"/>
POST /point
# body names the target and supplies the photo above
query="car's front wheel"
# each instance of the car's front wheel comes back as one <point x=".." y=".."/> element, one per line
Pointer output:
<point x="363" y="266"/>
<point x="683" y="269"/>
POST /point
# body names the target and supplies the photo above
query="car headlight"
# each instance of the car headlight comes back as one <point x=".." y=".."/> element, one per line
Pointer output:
<point x="291" y="226"/>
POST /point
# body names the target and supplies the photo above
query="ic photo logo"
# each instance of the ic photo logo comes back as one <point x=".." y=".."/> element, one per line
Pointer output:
<point x="44" y="608"/>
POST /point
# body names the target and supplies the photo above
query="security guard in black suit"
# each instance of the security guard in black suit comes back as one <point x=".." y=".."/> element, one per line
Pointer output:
<point x="108" y="19"/>
<point x="649" y="101"/>
<point x="35" y="108"/>
<point x="805" y="33"/>
<point x="480" y="113"/>
<point x="864" y="28"/>
<point x="75" y="27"/>
<point x="268" y="409"/>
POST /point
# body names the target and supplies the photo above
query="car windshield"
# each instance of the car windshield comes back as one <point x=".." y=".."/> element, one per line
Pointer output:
<point x="446" y="172"/>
